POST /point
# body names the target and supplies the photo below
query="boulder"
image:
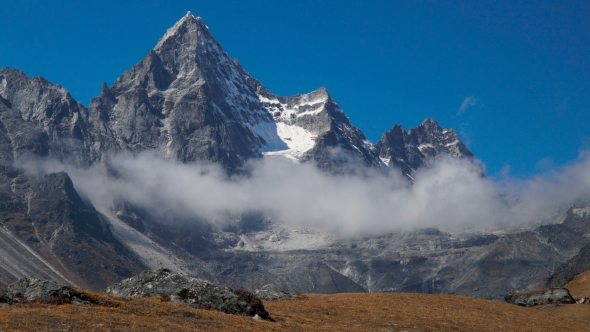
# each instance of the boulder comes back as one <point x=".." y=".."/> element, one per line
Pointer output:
<point x="194" y="292"/>
<point x="272" y="292"/>
<point x="545" y="296"/>
<point x="33" y="289"/>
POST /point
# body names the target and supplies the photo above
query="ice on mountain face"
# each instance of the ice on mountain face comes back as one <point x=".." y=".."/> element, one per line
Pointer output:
<point x="282" y="139"/>
<point x="285" y="137"/>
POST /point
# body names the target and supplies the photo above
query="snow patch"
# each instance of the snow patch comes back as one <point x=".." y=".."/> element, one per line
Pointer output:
<point x="425" y="146"/>
<point x="3" y="84"/>
<point x="283" y="139"/>
<point x="452" y="143"/>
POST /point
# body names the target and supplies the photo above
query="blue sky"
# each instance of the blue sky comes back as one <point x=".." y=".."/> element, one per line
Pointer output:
<point x="512" y="77"/>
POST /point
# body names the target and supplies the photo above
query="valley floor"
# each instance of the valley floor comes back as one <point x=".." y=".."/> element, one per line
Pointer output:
<point x="310" y="312"/>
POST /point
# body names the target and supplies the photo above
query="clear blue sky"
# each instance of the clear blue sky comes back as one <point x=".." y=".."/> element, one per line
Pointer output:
<point x="521" y="69"/>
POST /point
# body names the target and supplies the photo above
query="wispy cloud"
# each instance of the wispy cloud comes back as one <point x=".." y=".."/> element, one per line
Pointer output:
<point x="467" y="103"/>
<point x="450" y="194"/>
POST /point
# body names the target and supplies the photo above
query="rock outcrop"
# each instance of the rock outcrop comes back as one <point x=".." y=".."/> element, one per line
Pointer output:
<point x="533" y="298"/>
<point x="33" y="289"/>
<point x="272" y="292"/>
<point x="197" y="293"/>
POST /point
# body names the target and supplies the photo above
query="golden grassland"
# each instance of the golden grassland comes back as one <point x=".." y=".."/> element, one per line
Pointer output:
<point x="579" y="287"/>
<point x="311" y="312"/>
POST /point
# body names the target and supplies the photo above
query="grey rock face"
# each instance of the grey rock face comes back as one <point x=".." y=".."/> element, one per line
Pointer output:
<point x="49" y="231"/>
<point x="426" y="261"/>
<point x="272" y="292"/>
<point x="550" y="296"/>
<point x="194" y="292"/>
<point x="411" y="150"/>
<point x="34" y="289"/>
<point x="41" y="119"/>
<point x="188" y="100"/>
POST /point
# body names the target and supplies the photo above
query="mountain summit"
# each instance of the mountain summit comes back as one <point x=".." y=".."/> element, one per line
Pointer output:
<point x="186" y="101"/>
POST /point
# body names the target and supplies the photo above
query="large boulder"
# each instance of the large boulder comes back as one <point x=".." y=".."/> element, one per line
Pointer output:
<point x="545" y="296"/>
<point x="197" y="293"/>
<point x="33" y="289"/>
<point x="272" y="292"/>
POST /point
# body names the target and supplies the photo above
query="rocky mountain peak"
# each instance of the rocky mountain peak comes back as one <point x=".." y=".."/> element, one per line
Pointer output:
<point x="430" y="125"/>
<point x="189" y="26"/>
<point x="409" y="150"/>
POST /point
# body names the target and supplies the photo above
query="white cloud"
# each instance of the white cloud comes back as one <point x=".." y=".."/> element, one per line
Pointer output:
<point x="450" y="195"/>
<point x="467" y="103"/>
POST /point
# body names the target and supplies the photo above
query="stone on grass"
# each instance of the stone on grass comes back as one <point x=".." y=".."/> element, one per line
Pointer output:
<point x="545" y="296"/>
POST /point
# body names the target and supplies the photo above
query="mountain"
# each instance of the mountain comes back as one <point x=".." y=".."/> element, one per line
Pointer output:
<point x="188" y="101"/>
<point x="410" y="150"/>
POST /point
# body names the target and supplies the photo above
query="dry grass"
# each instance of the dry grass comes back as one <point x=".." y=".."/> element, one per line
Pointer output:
<point x="580" y="286"/>
<point x="313" y="312"/>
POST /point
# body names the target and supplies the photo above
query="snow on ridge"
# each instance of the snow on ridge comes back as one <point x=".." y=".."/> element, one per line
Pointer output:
<point x="298" y="107"/>
<point x="452" y="143"/>
<point x="425" y="146"/>
<point x="282" y="139"/>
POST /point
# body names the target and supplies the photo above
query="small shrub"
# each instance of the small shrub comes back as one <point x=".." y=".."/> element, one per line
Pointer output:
<point x="255" y="302"/>
<point x="164" y="297"/>
<point x="183" y="294"/>
<point x="60" y="298"/>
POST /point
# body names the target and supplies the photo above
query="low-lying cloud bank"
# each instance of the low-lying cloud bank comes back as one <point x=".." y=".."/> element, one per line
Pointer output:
<point x="450" y="195"/>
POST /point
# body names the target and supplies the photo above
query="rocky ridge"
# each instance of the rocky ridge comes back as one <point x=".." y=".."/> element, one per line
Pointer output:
<point x="410" y="150"/>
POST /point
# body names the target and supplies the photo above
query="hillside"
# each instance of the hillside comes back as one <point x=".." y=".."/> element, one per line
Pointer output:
<point x="310" y="312"/>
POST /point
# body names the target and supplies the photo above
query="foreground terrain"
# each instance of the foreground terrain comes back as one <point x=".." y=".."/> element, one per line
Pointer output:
<point x="315" y="312"/>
